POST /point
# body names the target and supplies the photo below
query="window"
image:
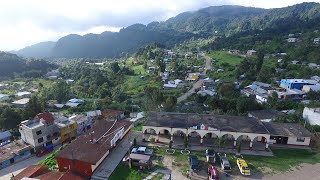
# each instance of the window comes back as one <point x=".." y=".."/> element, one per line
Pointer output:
<point x="300" y="139"/>
<point x="39" y="132"/>
<point x="273" y="137"/>
<point x="49" y="136"/>
<point x="40" y="140"/>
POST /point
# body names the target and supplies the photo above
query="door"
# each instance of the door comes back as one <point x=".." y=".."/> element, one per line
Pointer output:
<point x="285" y="140"/>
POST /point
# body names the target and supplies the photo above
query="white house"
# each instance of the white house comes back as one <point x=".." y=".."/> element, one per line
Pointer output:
<point x="251" y="52"/>
<point x="312" y="115"/>
<point x="316" y="41"/>
<point x="308" y="88"/>
<point x="4" y="97"/>
<point x="292" y="40"/>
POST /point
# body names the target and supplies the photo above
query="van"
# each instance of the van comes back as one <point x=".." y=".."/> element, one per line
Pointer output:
<point x="194" y="163"/>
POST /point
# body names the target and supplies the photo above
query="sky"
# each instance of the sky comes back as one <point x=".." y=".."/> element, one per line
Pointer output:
<point x="26" y="22"/>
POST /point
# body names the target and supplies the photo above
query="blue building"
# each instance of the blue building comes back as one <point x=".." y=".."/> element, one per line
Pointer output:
<point x="5" y="138"/>
<point x="295" y="83"/>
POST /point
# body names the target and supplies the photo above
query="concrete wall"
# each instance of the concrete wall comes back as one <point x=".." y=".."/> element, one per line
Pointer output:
<point x="293" y="141"/>
<point x="312" y="115"/>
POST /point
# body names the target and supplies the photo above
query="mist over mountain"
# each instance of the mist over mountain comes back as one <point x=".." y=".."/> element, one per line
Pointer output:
<point x="206" y="22"/>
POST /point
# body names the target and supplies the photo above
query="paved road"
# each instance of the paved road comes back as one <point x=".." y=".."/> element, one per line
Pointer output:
<point x="115" y="157"/>
<point x="196" y="85"/>
<point x="16" y="168"/>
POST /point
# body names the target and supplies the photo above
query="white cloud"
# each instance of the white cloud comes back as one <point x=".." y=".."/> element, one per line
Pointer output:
<point x="27" y="22"/>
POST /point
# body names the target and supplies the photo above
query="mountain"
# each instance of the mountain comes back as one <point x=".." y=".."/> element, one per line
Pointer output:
<point x="206" y="22"/>
<point x="39" y="50"/>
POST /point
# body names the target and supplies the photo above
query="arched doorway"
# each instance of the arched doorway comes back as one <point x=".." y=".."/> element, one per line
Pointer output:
<point x="178" y="138"/>
<point x="194" y="138"/>
<point x="164" y="136"/>
<point x="244" y="142"/>
<point x="210" y="139"/>
<point x="226" y="140"/>
<point x="150" y="135"/>
<point x="259" y="143"/>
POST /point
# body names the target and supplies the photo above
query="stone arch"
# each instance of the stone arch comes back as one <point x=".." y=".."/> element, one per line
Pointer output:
<point x="210" y="135"/>
<point x="194" y="134"/>
<point x="260" y="138"/>
<point x="227" y="136"/>
<point x="244" y="137"/>
<point x="150" y="131"/>
<point x="178" y="133"/>
<point x="164" y="131"/>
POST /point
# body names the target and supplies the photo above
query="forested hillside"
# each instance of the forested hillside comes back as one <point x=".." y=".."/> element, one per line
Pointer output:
<point x="214" y="21"/>
<point x="11" y="64"/>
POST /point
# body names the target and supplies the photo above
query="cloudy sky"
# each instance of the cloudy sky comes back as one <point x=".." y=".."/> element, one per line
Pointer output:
<point x="26" y="22"/>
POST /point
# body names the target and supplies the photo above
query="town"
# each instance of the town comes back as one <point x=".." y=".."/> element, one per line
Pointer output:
<point x="205" y="108"/>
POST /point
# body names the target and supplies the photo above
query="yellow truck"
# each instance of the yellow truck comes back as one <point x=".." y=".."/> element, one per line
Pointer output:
<point x="243" y="167"/>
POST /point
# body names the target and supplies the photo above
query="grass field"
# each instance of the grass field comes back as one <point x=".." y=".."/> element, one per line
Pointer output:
<point x="134" y="84"/>
<point x="284" y="159"/>
<point x="223" y="57"/>
<point x="123" y="172"/>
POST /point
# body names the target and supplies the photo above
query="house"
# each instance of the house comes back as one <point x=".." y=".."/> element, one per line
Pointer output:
<point x="74" y="102"/>
<point x="251" y="52"/>
<point x="292" y="40"/>
<point x="55" y="73"/>
<point x="40" y="172"/>
<point x="265" y="115"/>
<point x="316" y="41"/>
<point x="257" y="90"/>
<point x="21" y="103"/>
<point x="236" y="52"/>
<point x="5" y="138"/>
<point x="40" y="131"/>
<point x="69" y="81"/>
<point x="295" y="62"/>
<point x="23" y="94"/>
<point x="312" y="115"/>
<point x="140" y="160"/>
<point x="295" y="83"/>
<point x="193" y="76"/>
<point x="291" y="35"/>
<point x="4" y="97"/>
<point x="288" y="134"/>
<point x="308" y="88"/>
<point x="315" y="78"/>
<point x="14" y="152"/>
<point x="84" y="123"/>
<point x="67" y="128"/>
<point x="207" y="92"/>
<point x="112" y="114"/>
<point x="169" y="86"/>
<point x="293" y="94"/>
<point x="85" y="154"/>
<point x="204" y="129"/>
<point x="94" y="114"/>
<point x="220" y="70"/>
<point x="313" y="65"/>
<point x="164" y="75"/>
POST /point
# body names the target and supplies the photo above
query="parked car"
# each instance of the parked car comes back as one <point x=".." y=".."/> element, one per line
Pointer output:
<point x="224" y="162"/>
<point x="44" y="151"/>
<point x="142" y="150"/>
<point x="243" y="167"/>
<point x="210" y="156"/>
<point x="194" y="163"/>
<point x="213" y="173"/>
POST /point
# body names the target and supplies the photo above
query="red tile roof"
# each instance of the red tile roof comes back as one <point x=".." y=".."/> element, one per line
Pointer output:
<point x="82" y="149"/>
<point x="47" y="116"/>
<point x="30" y="172"/>
<point x="42" y="173"/>
<point x="111" y="113"/>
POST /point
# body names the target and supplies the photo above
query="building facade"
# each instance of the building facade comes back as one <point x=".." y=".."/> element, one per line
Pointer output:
<point x="295" y="83"/>
<point x="67" y="128"/>
<point x="40" y="131"/>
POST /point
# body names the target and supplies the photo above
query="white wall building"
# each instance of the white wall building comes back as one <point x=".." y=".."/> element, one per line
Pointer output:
<point x="312" y="115"/>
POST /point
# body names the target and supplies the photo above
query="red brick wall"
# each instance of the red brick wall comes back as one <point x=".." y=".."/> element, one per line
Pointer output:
<point x="80" y="167"/>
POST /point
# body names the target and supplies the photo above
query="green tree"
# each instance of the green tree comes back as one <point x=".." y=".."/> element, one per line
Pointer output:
<point x="35" y="106"/>
<point x="10" y="118"/>
<point x="170" y="103"/>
